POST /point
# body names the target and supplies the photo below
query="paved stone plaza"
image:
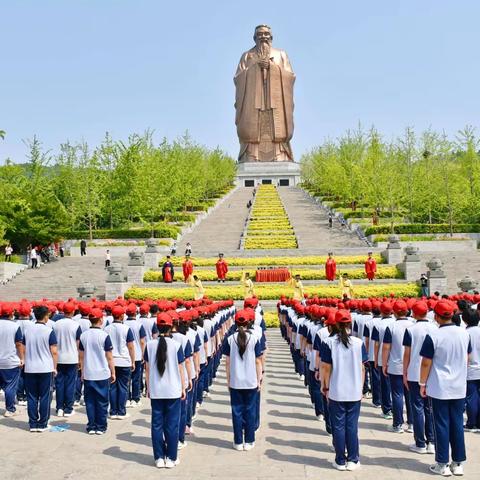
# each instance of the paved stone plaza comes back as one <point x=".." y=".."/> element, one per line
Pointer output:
<point x="291" y="443"/>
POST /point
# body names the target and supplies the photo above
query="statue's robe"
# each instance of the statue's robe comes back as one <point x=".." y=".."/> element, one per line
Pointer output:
<point x="264" y="109"/>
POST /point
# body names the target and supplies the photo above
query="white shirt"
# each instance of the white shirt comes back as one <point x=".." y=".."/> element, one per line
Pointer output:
<point x="138" y="333"/>
<point x="243" y="370"/>
<point x="148" y="325"/>
<point x="168" y="385"/>
<point x="182" y="340"/>
<point x="394" y="334"/>
<point x="414" y="336"/>
<point x="67" y="332"/>
<point x="378" y="333"/>
<point x="473" y="371"/>
<point x="120" y="334"/>
<point x="368" y="328"/>
<point x="37" y="341"/>
<point x="94" y="343"/>
<point x="201" y="336"/>
<point x="33" y="253"/>
<point x="10" y="333"/>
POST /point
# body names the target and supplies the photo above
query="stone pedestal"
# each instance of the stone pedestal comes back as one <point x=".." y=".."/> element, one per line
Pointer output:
<point x="411" y="266"/>
<point x="437" y="280"/>
<point x="152" y="255"/>
<point x="86" y="291"/>
<point x="116" y="284"/>
<point x="136" y="267"/>
<point x="393" y="253"/>
<point x="467" y="284"/>
<point x="251" y="174"/>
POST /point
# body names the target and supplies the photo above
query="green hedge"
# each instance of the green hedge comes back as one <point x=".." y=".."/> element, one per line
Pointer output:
<point x="423" y="228"/>
<point x="166" y="231"/>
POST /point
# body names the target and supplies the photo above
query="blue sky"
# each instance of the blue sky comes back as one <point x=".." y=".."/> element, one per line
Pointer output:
<point x="76" y="69"/>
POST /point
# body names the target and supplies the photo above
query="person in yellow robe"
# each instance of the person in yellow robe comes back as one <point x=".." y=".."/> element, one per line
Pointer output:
<point x="247" y="283"/>
<point x="196" y="283"/>
<point x="346" y="286"/>
<point x="297" y="285"/>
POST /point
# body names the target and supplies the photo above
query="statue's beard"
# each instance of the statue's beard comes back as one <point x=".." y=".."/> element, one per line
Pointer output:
<point x="264" y="46"/>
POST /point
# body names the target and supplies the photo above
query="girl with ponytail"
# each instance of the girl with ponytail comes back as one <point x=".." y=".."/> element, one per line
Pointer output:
<point x="165" y="379"/>
<point x="342" y="359"/>
<point x="243" y="354"/>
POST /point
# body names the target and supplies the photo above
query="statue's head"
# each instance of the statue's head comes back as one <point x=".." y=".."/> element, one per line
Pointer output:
<point x="262" y="34"/>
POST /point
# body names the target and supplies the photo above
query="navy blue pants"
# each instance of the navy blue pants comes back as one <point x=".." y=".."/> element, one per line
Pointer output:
<point x="399" y="393"/>
<point x="9" y="383"/>
<point x="316" y="394"/>
<point x="421" y="416"/>
<point x="96" y="404"/>
<point x="134" y="391"/>
<point x="201" y="383"/>
<point x="191" y="400"/>
<point x="448" y="424"/>
<point x="344" y="419"/>
<point x="65" y="383"/>
<point x="78" y="386"/>
<point x="473" y="403"/>
<point x="386" y="392"/>
<point x="21" y="393"/>
<point x="183" y="420"/>
<point x="298" y="361"/>
<point x="367" y="386"/>
<point x="119" y="391"/>
<point x="375" y="384"/>
<point x="39" y="395"/>
<point x="164" y="428"/>
<point x="243" y="403"/>
<point x="326" y="414"/>
<point x="257" y="410"/>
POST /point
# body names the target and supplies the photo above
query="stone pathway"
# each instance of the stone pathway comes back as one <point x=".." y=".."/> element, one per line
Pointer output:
<point x="291" y="443"/>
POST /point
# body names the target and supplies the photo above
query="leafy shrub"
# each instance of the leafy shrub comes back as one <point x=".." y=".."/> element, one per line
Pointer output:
<point x="165" y="231"/>
<point x="424" y="228"/>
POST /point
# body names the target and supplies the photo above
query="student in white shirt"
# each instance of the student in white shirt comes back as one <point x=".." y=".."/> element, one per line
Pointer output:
<point x="343" y="357"/>
<point x="84" y="322"/>
<point x="68" y="334"/>
<point x="40" y="366"/>
<point x="195" y="344"/>
<point x="392" y="365"/>
<point x="421" y="409"/>
<point x="443" y="377"/>
<point x="124" y="358"/>
<point x="244" y="377"/>
<point x="24" y="321"/>
<point x="139" y="335"/>
<point x="98" y="371"/>
<point x="473" y="372"/>
<point x="165" y="386"/>
<point x="11" y="357"/>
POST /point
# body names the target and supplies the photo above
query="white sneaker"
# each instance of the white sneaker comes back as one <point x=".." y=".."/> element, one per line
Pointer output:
<point x="69" y="414"/>
<point x="416" y="449"/>
<point x="8" y="414"/>
<point x="336" y="466"/>
<point x="170" y="463"/>
<point x="376" y="406"/>
<point x="137" y="404"/>
<point x="367" y="395"/>
<point x="431" y="448"/>
<point x="238" y="447"/>
<point x="123" y="417"/>
<point x="129" y="404"/>
<point x="351" y="466"/>
<point x="441" y="469"/>
<point x="100" y="432"/>
<point x="301" y="377"/>
<point x="34" y="430"/>
<point x="409" y="428"/>
<point x="248" y="446"/>
<point x="22" y="403"/>
<point x="44" y="429"/>
<point x="182" y="445"/>
<point x="386" y="416"/>
<point x="76" y="403"/>
<point x="457" y="469"/>
<point x="60" y="413"/>
<point x="160" y="463"/>
<point x="206" y="394"/>
<point x="82" y="402"/>
<point x="395" y="429"/>
<point x="92" y="432"/>
<point x="320" y="417"/>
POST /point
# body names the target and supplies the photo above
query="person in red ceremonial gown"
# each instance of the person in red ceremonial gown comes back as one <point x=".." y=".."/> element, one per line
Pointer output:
<point x="222" y="268"/>
<point x="370" y="267"/>
<point x="167" y="271"/>
<point x="187" y="268"/>
<point x="330" y="268"/>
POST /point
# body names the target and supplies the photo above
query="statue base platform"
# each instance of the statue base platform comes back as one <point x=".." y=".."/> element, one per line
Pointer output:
<point x="280" y="174"/>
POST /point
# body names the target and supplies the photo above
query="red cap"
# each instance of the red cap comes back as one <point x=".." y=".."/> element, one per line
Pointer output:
<point x="242" y="317"/>
<point x="419" y="309"/>
<point x="131" y="310"/>
<point x="7" y="309"/>
<point x="386" y="308"/>
<point x="444" y="309"/>
<point x="24" y="310"/>
<point x="144" y="309"/>
<point x="68" y="307"/>
<point x="95" y="314"/>
<point x="164" y="319"/>
<point x="118" y="311"/>
<point x="85" y="309"/>
<point x="343" y="316"/>
<point x="367" y="306"/>
<point x="400" y="306"/>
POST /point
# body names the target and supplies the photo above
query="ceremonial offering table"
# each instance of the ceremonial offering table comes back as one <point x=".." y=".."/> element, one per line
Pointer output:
<point x="272" y="275"/>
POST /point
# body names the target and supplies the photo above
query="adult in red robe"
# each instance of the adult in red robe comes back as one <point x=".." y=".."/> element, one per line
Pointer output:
<point x="330" y="268"/>
<point x="222" y="268"/>
<point x="370" y="267"/>
<point x="187" y="267"/>
<point x="167" y="271"/>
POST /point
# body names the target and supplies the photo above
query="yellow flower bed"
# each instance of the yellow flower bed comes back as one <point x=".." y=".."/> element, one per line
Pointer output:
<point x="269" y="227"/>
<point x="271" y="319"/>
<point x="383" y="272"/>
<point x="278" y="261"/>
<point x="272" y="292"/>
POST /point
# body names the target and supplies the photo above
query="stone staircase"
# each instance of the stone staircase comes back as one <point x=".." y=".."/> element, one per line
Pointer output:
<point x="58" y="280"/>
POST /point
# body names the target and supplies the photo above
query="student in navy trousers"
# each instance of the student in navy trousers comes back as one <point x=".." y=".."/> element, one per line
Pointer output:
<point x="443" y="378"/>
<point x="343" y="357"/>
<point x="164" y="372"/>
<point x="473" y="372"/>
<point x="98" y="371"/>
<point x="244" y="378"/>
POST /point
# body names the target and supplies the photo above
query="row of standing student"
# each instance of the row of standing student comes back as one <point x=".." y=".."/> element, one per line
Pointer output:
<point x="45" y="353"/>
<point x="420" y="358"/>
